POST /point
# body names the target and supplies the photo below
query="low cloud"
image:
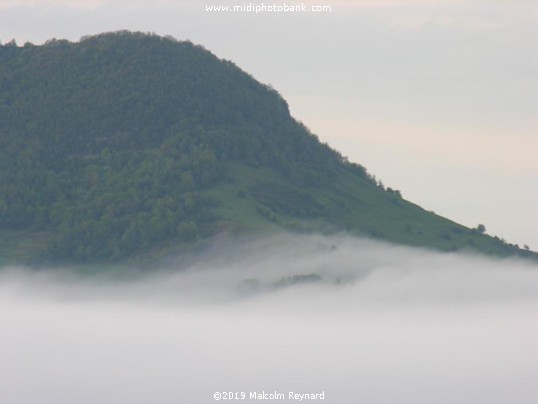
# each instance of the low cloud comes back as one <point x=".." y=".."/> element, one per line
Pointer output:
<point x="362" y="321"/>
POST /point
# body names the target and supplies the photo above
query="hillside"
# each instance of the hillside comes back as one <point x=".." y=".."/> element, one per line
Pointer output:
<point x="126" y="144"/>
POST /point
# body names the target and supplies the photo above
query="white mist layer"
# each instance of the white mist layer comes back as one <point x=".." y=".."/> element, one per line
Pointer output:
<point x="376" y="324"/>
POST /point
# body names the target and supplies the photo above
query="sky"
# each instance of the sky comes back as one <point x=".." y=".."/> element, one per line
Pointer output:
<point x="438" y="99"/>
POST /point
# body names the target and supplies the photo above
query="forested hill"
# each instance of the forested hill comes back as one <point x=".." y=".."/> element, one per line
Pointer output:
<point x="127" y="143"/>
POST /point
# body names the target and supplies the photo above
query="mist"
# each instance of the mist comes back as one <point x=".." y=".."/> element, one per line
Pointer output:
<point x="361" y="321"/>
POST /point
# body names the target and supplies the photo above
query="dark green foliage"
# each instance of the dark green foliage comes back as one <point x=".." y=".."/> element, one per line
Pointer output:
<point x="110" y="142"/>
<point x="481" y="229"/>
<point x="126" y="142"/>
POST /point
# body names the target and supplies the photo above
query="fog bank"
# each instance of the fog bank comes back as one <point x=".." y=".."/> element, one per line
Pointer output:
<point x="365" y="322"/>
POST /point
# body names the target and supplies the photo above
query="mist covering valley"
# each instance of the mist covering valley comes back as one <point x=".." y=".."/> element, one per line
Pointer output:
<point x="363" y="321"/>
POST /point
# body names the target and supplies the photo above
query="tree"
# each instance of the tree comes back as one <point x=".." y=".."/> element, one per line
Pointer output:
<point x="481" y="229"/>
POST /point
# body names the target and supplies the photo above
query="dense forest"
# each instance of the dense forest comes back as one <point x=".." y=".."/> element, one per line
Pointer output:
<point x="123" y="142"/>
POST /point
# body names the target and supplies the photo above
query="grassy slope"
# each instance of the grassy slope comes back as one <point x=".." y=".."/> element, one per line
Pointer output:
<point x="349" y="204"/>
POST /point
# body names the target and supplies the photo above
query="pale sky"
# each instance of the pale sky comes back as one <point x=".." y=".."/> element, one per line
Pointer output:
<point x="436" y="98"/>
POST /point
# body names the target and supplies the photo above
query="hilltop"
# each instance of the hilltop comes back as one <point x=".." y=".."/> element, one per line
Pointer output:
<point x="128" y="144"/>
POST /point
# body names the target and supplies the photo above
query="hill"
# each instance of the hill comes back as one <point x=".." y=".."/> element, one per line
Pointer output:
<point x="125" y="144"/>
